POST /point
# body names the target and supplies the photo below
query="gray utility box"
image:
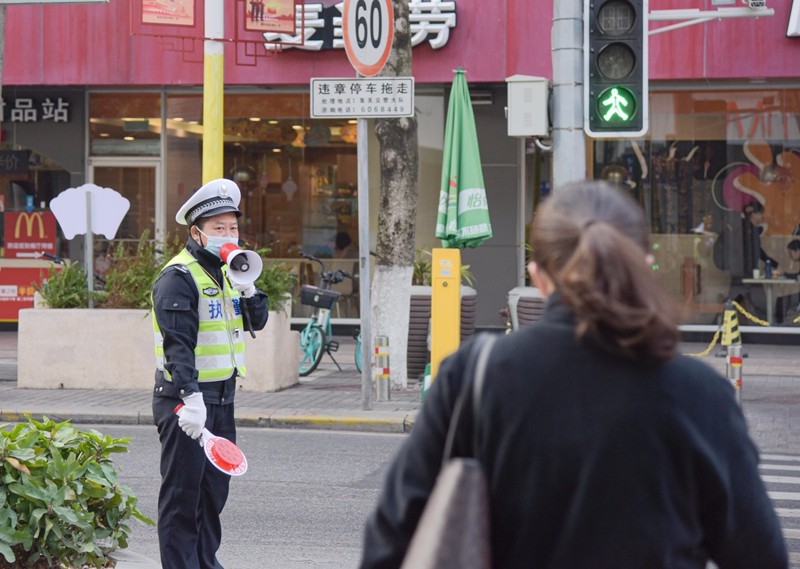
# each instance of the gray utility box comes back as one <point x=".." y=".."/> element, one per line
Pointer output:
<point x="528" y="99"/>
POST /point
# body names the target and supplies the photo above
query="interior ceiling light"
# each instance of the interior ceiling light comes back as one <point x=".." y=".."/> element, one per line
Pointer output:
<point x="128" y="138"/>
<point x="273" y="122"/>
<point x="255" y="119"/>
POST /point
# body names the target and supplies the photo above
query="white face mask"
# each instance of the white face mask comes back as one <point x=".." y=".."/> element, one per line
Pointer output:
<point x="214" y="242"/>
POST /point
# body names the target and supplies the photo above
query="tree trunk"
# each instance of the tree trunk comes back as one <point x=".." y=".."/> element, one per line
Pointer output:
<point x="399" y="159"/>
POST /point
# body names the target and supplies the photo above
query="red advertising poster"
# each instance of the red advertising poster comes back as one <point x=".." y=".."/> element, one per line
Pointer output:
<point x="29" y="233"/>
<point x="168" y="12"/>
<point x="275" y="16"/>
<point x="16" y="285"/>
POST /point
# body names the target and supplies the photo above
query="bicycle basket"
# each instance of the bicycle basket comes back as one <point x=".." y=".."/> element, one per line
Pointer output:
<point x="318" y="297"/>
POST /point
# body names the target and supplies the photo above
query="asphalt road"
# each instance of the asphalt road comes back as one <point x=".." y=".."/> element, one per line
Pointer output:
<point x="304" y="498"/>
<point x="301" y="504"/>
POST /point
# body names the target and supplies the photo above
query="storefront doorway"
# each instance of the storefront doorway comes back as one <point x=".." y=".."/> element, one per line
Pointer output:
<point x="138" y="180"/>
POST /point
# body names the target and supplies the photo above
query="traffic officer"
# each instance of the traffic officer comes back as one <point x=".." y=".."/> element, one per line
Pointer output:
<point x="199" y="336"/>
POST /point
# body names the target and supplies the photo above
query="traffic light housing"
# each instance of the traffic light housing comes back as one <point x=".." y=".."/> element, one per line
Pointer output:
<point x="615" y="71"/>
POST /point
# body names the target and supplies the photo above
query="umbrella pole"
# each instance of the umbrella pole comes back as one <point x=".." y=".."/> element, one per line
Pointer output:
<point x="445" y="305"/>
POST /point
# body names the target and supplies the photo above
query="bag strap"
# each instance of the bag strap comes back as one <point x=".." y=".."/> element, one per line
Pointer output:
<point x="472" y="386"/>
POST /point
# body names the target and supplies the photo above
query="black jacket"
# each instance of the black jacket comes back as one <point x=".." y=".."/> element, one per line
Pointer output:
<point x="179" y="327"/>
<point x="593" y="462"/>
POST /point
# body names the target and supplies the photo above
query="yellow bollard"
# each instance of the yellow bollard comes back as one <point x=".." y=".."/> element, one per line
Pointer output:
<point x="730" y="326"/>
<point x="445" y="305"/>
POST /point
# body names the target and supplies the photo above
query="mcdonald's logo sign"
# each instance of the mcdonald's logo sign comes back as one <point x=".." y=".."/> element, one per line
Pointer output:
<point x="29" y="233"/>
<point x="29" y="219"/>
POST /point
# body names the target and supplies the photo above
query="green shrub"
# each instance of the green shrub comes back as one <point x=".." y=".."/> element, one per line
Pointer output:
<point x="134" y="268"/>
<point x="132" y="271"/>
<point x="277" y="280"/>
<point x="62" y="500"/>
<point x="65" y="287"/>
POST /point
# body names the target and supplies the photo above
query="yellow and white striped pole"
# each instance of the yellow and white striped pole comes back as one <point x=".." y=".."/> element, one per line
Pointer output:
<point x="213" y="89"/>
<point x="733" y="369"/>
<point x="381" y="369"/>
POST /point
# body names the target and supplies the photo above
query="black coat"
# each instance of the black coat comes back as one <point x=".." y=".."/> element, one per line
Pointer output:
<point x="592" y="461"/>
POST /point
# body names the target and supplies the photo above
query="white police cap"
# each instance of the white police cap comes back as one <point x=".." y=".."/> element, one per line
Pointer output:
<point x="215" y="197"/>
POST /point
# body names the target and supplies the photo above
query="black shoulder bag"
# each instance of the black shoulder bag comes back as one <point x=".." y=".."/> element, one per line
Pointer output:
<point x="453" y="532"/>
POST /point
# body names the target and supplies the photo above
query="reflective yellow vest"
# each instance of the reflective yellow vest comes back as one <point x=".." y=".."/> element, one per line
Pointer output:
<point x="220" y="336"/>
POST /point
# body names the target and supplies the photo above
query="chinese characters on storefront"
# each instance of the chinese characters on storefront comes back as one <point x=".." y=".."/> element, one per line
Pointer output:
<point x="320" y="27"/>
<point x="29" y="110"/>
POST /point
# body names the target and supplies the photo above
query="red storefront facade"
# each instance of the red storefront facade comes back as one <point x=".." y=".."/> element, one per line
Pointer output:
<point x="722" y="93"/>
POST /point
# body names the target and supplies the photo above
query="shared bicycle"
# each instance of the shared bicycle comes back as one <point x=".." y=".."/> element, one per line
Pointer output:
<point x="315" y="338"/>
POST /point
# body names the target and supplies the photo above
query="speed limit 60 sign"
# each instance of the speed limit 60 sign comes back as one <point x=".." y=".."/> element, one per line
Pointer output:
<point x="368" y="29"/>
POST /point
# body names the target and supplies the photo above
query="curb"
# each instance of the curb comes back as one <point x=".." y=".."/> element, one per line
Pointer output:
<point x="399" y="422"/>
<point x="78" y="418"/>
<point x="129" y="560"/>
<point x="383" y="424"/>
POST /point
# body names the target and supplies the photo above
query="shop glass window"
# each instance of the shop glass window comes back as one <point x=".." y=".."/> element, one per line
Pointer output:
<point x="298" y="178"/>
<point x="125" y="124"/>
<point x="719" y="180"/>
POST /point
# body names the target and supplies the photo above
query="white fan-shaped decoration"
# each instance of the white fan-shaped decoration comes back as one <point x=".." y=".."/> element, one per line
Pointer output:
<point x="108" y="209"/>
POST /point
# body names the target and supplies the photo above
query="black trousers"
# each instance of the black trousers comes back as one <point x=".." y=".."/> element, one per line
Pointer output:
<point x="193" y="492"/>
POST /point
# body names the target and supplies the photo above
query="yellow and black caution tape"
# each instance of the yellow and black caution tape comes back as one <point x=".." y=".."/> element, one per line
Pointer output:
<point x="709" y="348"/>
<point x="744" y="312"/>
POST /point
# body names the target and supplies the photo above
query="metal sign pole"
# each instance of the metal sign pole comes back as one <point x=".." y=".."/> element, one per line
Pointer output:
<point x="364" y="270"/>
<point x="88" y="249"/>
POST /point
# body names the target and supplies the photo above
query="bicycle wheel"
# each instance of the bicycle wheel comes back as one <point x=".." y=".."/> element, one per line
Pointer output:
<point x="358" y="352"/>
<point x="312" y="344"/>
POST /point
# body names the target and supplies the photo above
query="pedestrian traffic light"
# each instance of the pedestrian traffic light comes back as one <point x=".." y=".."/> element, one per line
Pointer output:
<point x="615" y="86"/>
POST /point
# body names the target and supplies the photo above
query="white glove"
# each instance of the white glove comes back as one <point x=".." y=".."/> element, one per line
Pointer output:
<point x="247" y="290"/>
<point x="192" y="417"/>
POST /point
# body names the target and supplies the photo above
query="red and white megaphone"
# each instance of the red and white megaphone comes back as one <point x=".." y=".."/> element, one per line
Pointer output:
<point x="244" y="267"/>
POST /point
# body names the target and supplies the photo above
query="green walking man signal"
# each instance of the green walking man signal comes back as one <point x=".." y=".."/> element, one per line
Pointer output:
<point x="615" y="86"/>
<point x="616" y="105"/>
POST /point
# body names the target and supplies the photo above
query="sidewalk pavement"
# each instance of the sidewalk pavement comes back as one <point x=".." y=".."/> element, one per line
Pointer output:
<point x="332" y="399"/>
<point x="326" y="399"/>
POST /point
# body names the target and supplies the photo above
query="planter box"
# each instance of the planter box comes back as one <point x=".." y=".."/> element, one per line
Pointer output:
<point x="79" y="348"/>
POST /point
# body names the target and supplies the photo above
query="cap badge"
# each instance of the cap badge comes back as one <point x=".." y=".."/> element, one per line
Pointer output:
<point x="223" y="191"/>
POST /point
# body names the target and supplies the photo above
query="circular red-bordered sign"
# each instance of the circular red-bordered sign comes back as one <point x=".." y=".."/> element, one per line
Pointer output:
<point x="368" y="30"/>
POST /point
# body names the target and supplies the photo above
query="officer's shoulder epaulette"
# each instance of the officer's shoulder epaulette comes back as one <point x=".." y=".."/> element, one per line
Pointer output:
<point x="180" y="267"/>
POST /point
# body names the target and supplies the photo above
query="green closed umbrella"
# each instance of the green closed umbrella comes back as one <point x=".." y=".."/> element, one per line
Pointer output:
<point x="463" y="219"/>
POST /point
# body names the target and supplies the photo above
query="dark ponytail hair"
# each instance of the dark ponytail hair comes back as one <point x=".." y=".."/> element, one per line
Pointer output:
<point x="591" y="240"/>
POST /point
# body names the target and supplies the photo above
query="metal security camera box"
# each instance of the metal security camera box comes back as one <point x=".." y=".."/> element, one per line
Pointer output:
<point x="528" y="106"/>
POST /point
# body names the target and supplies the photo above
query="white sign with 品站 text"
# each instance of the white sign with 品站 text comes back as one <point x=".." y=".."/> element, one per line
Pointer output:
<point x="375" y="97"/>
